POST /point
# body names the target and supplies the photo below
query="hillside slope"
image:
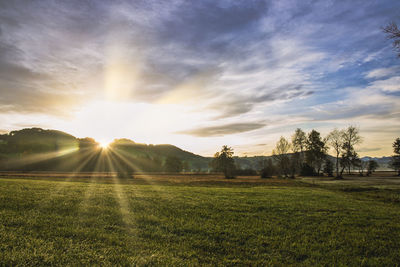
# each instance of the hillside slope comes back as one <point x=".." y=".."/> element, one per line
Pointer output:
<point x="50" y="150"/>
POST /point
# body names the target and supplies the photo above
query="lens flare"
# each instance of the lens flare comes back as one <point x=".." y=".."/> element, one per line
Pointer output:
<point x="104" y="145"/>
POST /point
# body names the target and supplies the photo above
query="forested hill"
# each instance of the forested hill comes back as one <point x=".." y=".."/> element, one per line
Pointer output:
<point x="51" y="150"/>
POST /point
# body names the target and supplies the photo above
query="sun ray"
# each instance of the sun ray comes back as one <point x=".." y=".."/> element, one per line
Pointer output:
<point x="120" y="195"/>
<point x="54" y="193"/>
<point x="36" y="158"/>
<point x="90" y="155"/>
<point x="123" y="155"/>
<point x="93" y="180"/>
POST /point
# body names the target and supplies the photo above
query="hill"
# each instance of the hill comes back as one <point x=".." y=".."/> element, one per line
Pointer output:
<point x="50" y="150"/>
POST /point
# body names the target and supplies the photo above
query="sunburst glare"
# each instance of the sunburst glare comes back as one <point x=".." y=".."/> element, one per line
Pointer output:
<point x="104" y="144"/>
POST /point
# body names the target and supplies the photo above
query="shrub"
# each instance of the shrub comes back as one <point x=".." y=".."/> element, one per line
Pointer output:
<point x="328" y="167"/>
<point x="268" y="169"/>
<point x="307" y="170"/>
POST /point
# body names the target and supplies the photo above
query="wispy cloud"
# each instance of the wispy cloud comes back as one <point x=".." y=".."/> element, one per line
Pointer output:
<point x="391" y="84"/>
<point x="382" y="72"/>
<point x="369" y="149"/>
<point x="222" y="130"/>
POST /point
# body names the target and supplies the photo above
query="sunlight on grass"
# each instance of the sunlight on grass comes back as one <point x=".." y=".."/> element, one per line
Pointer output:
<point x="88" y="156"/>
<point x="120" y="195"/>
<point x="100" y="161"/>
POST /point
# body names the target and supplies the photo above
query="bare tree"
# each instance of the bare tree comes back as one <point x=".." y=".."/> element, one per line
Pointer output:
<point x="299" y="143"/>
<point x="280" y="154"/>
<point x="393" y="32"/>
<point x="335" y="140"/>
<point x="361" y="165"/>
<point x="351" y="137"/>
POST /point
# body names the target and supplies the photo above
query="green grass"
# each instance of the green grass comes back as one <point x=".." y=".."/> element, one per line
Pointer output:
<point x="44" y="222"/>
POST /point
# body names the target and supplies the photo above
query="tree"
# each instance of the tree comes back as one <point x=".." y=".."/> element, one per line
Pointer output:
<point x="393" y="32"/>
<point x="156" y="164"/>
<point x="396" y="146"/>
<point x="361" y="165"/>
<point x="267" y="168"/>
<point x="395" y="161"/>
<point x="299" y="142"/>
<point x="223" y="161"/>
<point x="173" y="164"/>
<point x="316" y="150"/>
<point x="307" y="170"/>
<point x="335" y="140"/>
<point x="351" y="137"/>
<point x="349" y="159"/>
<point x="280" y="155"/>
<point x="294" y="164"/>
<point x="87" y="143"/>
<point x="124" y="168"/>
<point x="328" y="167"/>
<point x="185" y="166"/>
<point x="372" y="165"/>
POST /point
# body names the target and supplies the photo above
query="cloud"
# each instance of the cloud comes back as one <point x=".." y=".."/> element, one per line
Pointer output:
<point x="365" y="103"/>
<point x="348" y="110"/>
<point x="223" y="130"/>
<point x="24" y="90"/>
<point x="391" y="84"/>
<point x="382" y="72"/>
<point x="369" y="149"/>
<point x="210" y="29"/>
<point x="232" y="105"/>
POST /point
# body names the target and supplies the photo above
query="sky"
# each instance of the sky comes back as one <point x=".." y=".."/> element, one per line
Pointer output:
<point x="201" y="74"/>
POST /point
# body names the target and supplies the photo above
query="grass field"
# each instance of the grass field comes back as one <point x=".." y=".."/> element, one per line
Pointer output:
<point x="196" y="220"/>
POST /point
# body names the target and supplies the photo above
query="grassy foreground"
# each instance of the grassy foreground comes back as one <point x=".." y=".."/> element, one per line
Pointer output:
<point x="45" y="222"/>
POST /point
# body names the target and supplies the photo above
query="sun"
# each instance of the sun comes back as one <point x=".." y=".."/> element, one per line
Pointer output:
<point x="104" y="145"/>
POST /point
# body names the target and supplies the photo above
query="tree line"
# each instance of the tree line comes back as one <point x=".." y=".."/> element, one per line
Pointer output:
<point x="306" y="154"/>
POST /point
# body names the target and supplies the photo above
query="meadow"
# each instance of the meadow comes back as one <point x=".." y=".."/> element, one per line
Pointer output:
<point x="178" y="220"/>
